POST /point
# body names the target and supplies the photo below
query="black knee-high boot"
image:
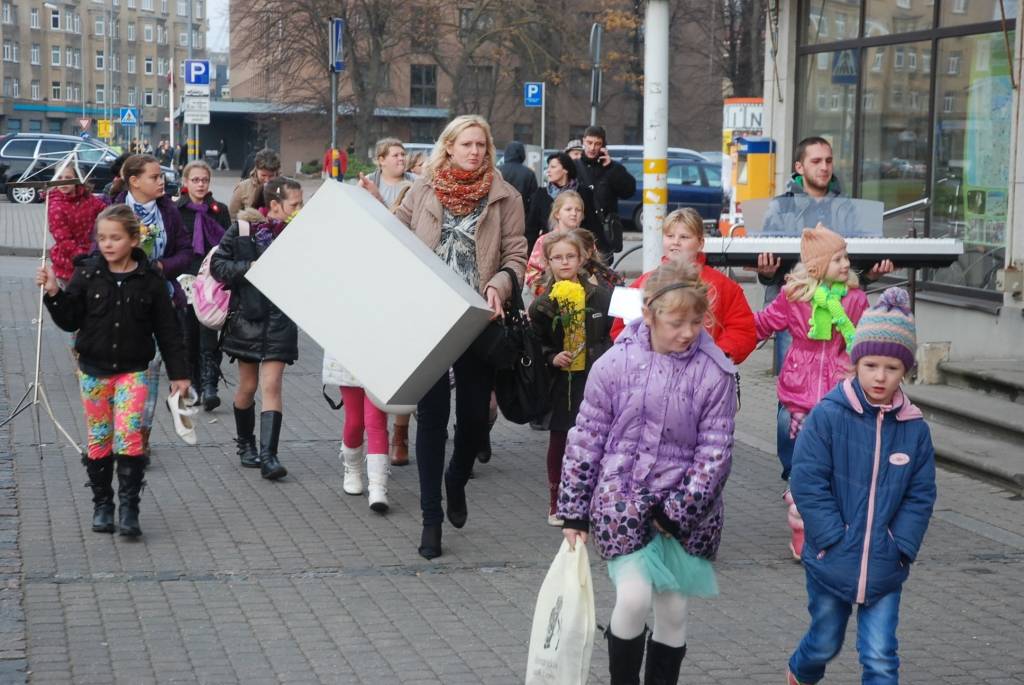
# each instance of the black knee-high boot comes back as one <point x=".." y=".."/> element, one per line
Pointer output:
<point x="663" y="663"/>
<point x="101" y="478"/>
<point x="209" y="366"/>
<point x="130" y="482"/>
<point x="270" y="432"/>
<point x="245" y="437"/>
<point x="625" y="658"/>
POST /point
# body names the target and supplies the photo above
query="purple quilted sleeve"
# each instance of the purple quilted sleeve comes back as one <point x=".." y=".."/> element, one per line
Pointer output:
<point x="712" y="460"/>
<point x="585" y="449"/>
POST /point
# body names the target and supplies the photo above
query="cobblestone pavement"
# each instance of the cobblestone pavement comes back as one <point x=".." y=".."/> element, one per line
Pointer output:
<point x="241" y="580"/>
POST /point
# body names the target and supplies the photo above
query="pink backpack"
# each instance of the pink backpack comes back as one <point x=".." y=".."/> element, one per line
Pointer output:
<point x="210" y="298"/>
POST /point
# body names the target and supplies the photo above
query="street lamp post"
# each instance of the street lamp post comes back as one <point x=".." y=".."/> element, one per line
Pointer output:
<point x="656" y="44"/>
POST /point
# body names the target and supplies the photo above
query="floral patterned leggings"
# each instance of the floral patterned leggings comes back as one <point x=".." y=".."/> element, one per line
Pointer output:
<point x="113" y="413"/>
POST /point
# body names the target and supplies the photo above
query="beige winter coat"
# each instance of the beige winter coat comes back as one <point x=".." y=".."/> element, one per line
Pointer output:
<point x="500" y="235"/>
<point x="243" y="196"/>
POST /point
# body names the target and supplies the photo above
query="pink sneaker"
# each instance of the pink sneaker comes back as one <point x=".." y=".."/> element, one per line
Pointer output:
<point x="791" y="679"/>
<point x="796" y="526"/>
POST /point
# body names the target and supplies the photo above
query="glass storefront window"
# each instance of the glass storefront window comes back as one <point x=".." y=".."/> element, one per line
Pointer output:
<point x="885" y="17"/>
<point x="970" y="179"/>
<point x="894" y="125"/>
<point x="826" y="21"/>
<point x="826" y="105"/>
<point x="960" y="12"/>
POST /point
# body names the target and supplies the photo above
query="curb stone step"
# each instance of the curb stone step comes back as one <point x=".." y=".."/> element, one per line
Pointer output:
<point x="972" y="411"/>
<point x="1000" y="378"/>
<point x="995" y="459"/>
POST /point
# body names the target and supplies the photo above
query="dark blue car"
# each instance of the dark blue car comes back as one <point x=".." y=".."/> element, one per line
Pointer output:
<point x="691" y="183"/>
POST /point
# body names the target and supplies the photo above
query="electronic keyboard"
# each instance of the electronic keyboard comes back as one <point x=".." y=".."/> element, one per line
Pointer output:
<point x="916" y="253"/>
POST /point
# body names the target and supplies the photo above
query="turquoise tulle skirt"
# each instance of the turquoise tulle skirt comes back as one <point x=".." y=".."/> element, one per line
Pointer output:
<point x="669" y="568"/>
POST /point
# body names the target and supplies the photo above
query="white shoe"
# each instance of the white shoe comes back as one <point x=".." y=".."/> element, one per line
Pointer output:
<point x="352" y="459"/>
<point x="553" y="520"/>
<point x="182" y="411"/>
<point x="378" y="469"/>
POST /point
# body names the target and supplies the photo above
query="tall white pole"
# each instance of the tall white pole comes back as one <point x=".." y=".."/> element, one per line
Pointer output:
<point x="170" y="96"/>
<point x="656" y="26"/>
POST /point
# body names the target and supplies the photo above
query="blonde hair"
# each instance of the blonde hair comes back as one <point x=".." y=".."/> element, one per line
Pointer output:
<point x="800" y="284"/>
<point x="552" y="239"/>
<point x="384" y="146"/>
<point x="562" y="198"/>
<point x="415" y="159"/>
<point x="688" y="294"/>
<point x="689" y="218"/>
<point x="196" y="164"/>
<point x="440" y="157"/>
<point x="588" y="242"/>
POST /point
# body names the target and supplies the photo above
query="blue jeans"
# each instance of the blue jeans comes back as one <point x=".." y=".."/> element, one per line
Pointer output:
<point x="783" y="443"/>
<point x="876" y="637"/>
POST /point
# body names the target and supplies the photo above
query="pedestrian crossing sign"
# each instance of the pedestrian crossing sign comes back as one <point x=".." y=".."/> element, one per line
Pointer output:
<point x="129" y="116"/>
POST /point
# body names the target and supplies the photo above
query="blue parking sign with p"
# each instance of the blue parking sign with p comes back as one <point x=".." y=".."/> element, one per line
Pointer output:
<point x="533" y="94"/>
<point x="336" y="56"/>
<point x="197" y="72"/>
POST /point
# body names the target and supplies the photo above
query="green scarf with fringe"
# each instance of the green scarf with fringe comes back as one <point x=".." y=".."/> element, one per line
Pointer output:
<point x="826" y="311"/>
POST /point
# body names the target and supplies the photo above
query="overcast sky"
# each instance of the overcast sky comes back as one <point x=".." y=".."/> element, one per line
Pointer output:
<point x="217" y="36"/>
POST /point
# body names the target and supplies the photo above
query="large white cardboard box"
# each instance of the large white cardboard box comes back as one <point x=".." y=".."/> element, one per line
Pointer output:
<point x="362" y="285"/>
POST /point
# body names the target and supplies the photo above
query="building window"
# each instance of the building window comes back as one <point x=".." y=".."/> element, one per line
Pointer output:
<point x="147" y="33"/>
<point x="115" y="62"/>
<point x="147" y="5"/>
<point x="148" y="66"/>
<point x="16" y="88"/>
<point x="903" y="4"/>
<point x="161" y="68"/>
<point x="480" y="79"/>
<point x="836" y="101"/>
<point x="198" y="10"/>
<point x="8" y="13"/>
<point x="912" y="59"/>
<point x="55" y="20"/>
<point x="35" y="125"/>
<point x="34" y="53"/>
<point x="8" y="51"/>
<point x="878" y="60"/>
<point x="147" y="98"/>
<point x="69" y="92"/>
<point x="182" y="8"/>
<point x="33" y="18"/>
<point x="163" y="6"/>
<point x="915" y="101"/>
<point x="14" y="125"/>
<point x="183" y="39"/>
<point x="115" y="95"/>
<point x="98" y="27"/>
<point x="131" y="31"/>
<point x="953" y="64"/>
<point x="959" y="6"/>
<point x="34" y="90"/>
<point x="131" y="96"/>
<point x="99" y="60"/>
<point x="869" y="101"/>
<point x="423" y="85"/>
<point x="160" y="34"/>
<point x="948" y="103"/>
<point x="69" y="57"/>
<point x="101" y="96"/>
<point x="55" y="125"/>
<point x="131" y="64"/>
<point x="55" y="56"/>
<point x="822" y="101"/>
<point x="897" y="62"/>
<point x="131" y="4"/>
<point x="55" y="90"/>
<point x="77" y="24"/>
<point x="7" y="87"/>
<point x="897" y="98"/>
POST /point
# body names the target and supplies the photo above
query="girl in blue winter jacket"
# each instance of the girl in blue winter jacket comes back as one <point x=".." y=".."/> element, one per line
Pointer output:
<point x="645" y="468"/>
<point x="864" y="480"/>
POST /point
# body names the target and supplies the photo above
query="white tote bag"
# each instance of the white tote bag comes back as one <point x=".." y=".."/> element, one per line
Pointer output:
<point x="563" y="622"/>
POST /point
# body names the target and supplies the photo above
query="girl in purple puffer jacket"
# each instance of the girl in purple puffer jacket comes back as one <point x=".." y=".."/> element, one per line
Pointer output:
<point x="645" y="467"/>
<point x="819" y="305"/>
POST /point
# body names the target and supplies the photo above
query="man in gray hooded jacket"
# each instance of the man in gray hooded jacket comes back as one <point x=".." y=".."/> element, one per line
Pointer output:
<point x="518" y="174"/>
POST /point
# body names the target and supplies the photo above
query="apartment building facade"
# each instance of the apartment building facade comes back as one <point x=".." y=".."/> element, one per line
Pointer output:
<point x="64" y="61"/>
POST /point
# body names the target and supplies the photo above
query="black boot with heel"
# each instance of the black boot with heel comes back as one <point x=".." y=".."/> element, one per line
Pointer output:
<point x="101" y="478"/>
<point x="430" y="541"/>
<point x="245" y="427"/>
<point x="625" y="658"/>
<point x="663" y="663"/>
<point x="270" y="433"/>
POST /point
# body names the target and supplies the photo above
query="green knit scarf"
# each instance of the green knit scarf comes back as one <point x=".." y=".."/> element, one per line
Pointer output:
<point x="826" y="311"/>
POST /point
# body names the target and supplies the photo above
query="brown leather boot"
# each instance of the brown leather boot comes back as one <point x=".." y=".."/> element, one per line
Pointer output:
<point x="400" y="445"/>
<point x="146" y="452"/>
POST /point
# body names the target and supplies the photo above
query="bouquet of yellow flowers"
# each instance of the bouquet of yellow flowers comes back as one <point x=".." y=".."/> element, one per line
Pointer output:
<point x="571" y="299"/>
<point x="148" y="234"/>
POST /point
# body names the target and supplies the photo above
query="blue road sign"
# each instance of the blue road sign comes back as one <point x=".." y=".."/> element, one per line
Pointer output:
<point x="336" y="56"/>
<point x="129" y="116"/>
<point x="533" y="94"/>
<point x="197" y="72"/>
<point x="844" y="67"/>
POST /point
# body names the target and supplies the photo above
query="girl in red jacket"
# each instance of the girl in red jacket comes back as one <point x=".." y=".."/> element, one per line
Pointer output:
<point x="731" y="323"/>
<point x="72" y="212"/>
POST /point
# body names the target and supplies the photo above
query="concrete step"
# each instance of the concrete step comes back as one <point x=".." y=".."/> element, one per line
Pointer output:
<point x="972" y="411"/>
<point x="990" y="458"/>
<point x="1000" y="377"/>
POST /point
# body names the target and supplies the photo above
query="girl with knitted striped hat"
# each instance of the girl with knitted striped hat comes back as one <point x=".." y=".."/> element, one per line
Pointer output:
<point x="864" y="479"/>
<point x="819" y="305"/>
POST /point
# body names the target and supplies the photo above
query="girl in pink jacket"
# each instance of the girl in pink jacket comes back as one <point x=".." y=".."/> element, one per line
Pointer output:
<point x="819" y="305"/>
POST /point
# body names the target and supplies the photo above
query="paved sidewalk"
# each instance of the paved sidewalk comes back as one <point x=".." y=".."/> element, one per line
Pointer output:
<point x="240" y="580"/>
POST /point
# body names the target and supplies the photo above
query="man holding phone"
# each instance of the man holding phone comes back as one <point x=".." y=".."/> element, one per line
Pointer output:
<point x="610" y="182"/>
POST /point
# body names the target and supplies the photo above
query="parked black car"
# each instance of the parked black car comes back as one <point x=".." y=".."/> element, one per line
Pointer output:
<point x="34" y="157"/>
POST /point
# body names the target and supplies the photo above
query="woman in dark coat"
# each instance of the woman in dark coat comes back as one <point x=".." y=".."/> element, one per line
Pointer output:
<point x="166" y="246"/>
<point x="257" y="334"/>
<point x="561" y="175"/>
<point x="205" y="221"/>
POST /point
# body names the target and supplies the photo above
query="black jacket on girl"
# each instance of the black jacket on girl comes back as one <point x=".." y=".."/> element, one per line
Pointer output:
<point x="116" y="323"/>
<point x="256" y="330"/>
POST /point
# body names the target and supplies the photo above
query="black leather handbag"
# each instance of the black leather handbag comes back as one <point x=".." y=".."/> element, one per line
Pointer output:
<point x="521" y="385"/>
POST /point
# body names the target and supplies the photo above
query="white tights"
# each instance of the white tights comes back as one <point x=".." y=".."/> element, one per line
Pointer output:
<point x="634" y="598"/>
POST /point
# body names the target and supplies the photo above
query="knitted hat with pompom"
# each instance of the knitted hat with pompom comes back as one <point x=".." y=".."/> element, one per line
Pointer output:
<point x="887" y="330"/>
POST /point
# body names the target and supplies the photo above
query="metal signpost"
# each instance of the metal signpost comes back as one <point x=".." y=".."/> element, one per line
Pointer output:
<point x="533" y="96"/>
<point x="197" y="99"/>
<point x="336" y="63"/>
<point x="655" y="129"/>
<point x="596" y="33"/>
